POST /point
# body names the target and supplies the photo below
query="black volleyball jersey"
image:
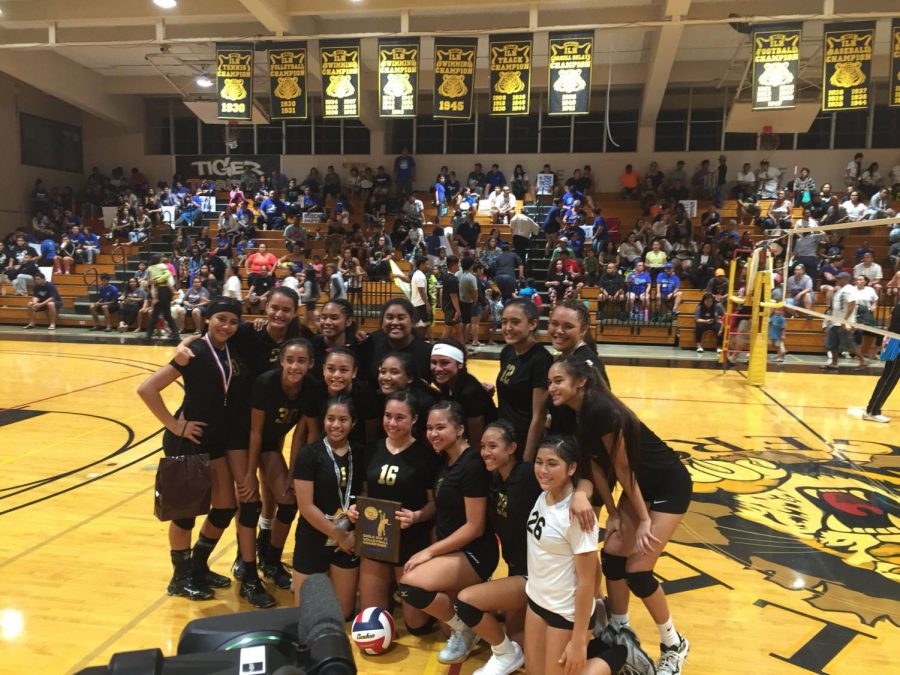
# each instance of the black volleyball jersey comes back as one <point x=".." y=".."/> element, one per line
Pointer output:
<point x="563" y="418"/>
<point x="314" y="465"/>
<point x="466" y="477"/>
<point x="472" y="396"/>
<point x="519" y="376"/>
<point x="509" y="503"/>
<point x="282" y="411"/>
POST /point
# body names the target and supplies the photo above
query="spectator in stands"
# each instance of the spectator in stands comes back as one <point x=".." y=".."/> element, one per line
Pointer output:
<point x="828" y="272"/>
<point x="657" y="178"/>
<point x="683" y="254"/>
<point x="46" y="299"/>
<point x="677" y="191"/>
<point x="854" y="209"/>
<point x="745" y="183"/>
<point x="560" y="283"/>
<point x="273" y="209"/>
<point x="65" y="256"/>
<point x="630" y="181"/>
<point x="710" y="222"/>
<point x="799" y="290"/>
<point x="854" y="171"/>
<point x="142" y="227"/>
<point x="748" y="210"/>
<point x="708" y="317"/>
<point x="779" y="215"/>
<point x="23" y="273"/>
<point x="894" y="255"/>
<point x="638" y="283"/>
<point x="504" y="207"/>
<point x="90" y="244"/>
<point x="611" y="290"/>
<point x="337" y="285"/>
<point x="331" y="184"/>
<point x="701" y="181"/>
<point x="260" y="288"/>
<point x="648" y="196"/>
<point x="509" y="268"/>
<point x="655" y="259"/>
<point x="107" y="302"/>
<point x="718" y="285"/>
<point x="668" y="287"/>
<point x="523" y="228"/>
<point x="870" y="180"/>
<point x="190" y="213"/>
<point x="494" y="179"/>
<point x="553" y="224"/>
<point x="677" y="174"/>
<point x="196" y="298"/>
<point x="807" y="243"/>
<point x="839" y="332"/>
<point x="520" y="184"/>
<point x="313" y="181"/>
<point x="803" y="188"/>
<point x="871" y="270"/>
<point x="768" y="179"/>
<point x="262" y="258"/>
<point x="630" y="251"/>
<point x="404" y="172"/>
<point x="132" y="301"/>
<point x="880" y="206"/>
<point x="475" y="180"/>
<point x="609" y="254"/>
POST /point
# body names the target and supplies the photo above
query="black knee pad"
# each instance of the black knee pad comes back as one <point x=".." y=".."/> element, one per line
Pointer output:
<point x="425" y="629"/>
<point x="468" y="614"/>
<point x="415" y="596"/>
<point x="613" y="566"/>
<point x="185" y="523"/>
<point x="285" y="513"/>
<point x="221" y="518"/>
<point x="249" y="514"/>
<point x="643" y="584"/>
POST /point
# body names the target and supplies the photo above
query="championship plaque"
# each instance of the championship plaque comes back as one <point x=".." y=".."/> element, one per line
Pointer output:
<point x="378" y="531"/>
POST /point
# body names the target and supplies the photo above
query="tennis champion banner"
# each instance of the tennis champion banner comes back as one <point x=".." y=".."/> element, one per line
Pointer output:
<point x="287" y="81"/>
<point x="398" y="76"/>
<point x="340" y="61"/>
<point x="454" y="77"/>
<point x="847" y="65"/>
<point x="894" y="99"/>
<point x="776" y="66"/>
<point x="510" y="59"/>
<point x="570" y="61"/>
<point x="234" y="81"/>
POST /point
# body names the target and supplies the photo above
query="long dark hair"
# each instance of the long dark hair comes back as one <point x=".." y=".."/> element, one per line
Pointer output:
<point x="293" y="329"/>
<point x="584" y="318"/>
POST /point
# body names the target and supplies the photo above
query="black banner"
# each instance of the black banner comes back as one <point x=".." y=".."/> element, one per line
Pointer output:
<point x="454" y="77"/>
<point x="225" y="167"/>
<point x="510" y="59"/>
<point x="287" y="81"/>
<point x="340" y="61"/>
<point x="847" y="65"/>
<point x="398" y="76"/>
<point x="570" y="61"/>
<point x="234" y="81"/>
<point x="776" y="66"/>
<point x="894" y="96"/>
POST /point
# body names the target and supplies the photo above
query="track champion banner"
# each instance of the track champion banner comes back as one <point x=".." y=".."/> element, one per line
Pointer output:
<point x="234" y="81"/>
<point x="454" y="77"/>
<point x="776" y="66"/>
<point x="340" y="63"/>
<point x="847" y="65"/>
<point x="894" y="97"/>
<point x="570" y="61"/>
<point x="287" y="81"/>
<point x="398" y="76"/>
<point x="510" y="59"/>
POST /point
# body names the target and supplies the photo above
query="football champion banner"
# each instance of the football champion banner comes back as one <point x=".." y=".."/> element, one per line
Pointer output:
<point x="570" y="61"/>
<point x="894" y="99"/>
<point x="340" y="64"/>
<point x="454" y="77"/>
<point x="510" y="62"/>
<point x="776" y="66"/>
<point x="398" y="76"/>
<point x="287" y="81"/>
<point x="234" y="81"/>
<point x="847" y="65"/>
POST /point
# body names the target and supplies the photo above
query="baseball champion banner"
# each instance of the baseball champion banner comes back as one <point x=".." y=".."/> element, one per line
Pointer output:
<point x="454" y="77"/>
<point x="510" y="59"/>
<point x="847" y="65"/>
<point x="894" y="97"/>
<point x="234" y="81"/>
<point x="569" y="65"/>
<point x="398" y="76"/>
<point x="340" y="63"/>
<point x="287" y="81"/>
<point x="776" y="66"/>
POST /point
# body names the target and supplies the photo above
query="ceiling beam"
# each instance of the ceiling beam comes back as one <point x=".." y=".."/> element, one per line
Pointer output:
<point x="662" y="57"/>
<point x="272" y="14"/>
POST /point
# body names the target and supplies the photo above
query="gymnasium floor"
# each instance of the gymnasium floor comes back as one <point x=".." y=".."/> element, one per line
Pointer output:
<point x="788" y="561"/>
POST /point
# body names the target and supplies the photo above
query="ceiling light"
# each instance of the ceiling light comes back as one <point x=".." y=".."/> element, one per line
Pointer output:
<point x="204" y="80"/>
<point x="165" y="4"/>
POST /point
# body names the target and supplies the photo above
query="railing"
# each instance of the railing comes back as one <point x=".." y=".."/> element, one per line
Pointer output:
<point x="91" y="277"/>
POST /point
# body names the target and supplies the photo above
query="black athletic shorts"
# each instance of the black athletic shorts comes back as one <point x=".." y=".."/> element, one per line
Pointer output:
<point x="270" y="446"/>
<point x="412" y="541"/>
<point x="312" y="556"/>
<point x="238" y="435"/>
<point x="669" y="491"/>
<point x="174" y="446"/>
<point x="465" y="313"/>
<point x="552" y="619"/>
<point x="483" y="558"/>
<point x="422" y="316"/>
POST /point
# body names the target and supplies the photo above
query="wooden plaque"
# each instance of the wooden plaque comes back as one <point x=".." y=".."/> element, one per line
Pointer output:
<point x="377" y="531"/>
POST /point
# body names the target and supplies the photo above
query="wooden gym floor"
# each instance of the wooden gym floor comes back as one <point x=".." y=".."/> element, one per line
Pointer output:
<point x="786" y="563"/>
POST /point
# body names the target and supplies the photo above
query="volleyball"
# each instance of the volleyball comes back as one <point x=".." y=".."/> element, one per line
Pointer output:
<point x="373" y="630"/>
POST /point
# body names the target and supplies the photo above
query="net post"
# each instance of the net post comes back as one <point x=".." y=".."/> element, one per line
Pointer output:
<point x="759" y="332"/>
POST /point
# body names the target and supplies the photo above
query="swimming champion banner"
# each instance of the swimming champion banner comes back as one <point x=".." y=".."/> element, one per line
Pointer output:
<point x="894" y="96"/>
<point x="510" y="61"/>
<point x="340" y="63"/>
<point x="398" y="76"/>
<point x="287" y="81"/>
<point x="234" y="81"/>
<point x="776" y="66"/>
<point x="570" y="61"/>
<point x="847" y="65"/>
<point x="454" y="77"/>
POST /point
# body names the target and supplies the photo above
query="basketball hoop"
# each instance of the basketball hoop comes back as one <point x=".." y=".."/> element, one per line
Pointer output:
<point x="231" y="135"/>
<point x="767" y="140"/>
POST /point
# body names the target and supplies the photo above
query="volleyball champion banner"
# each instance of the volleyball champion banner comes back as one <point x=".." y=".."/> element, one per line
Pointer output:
<point x="340" y="65"/>
<point x="776" y="66"/>
<point x="847" y="65"/>
<point x="510" y="63"/>
<point x="398" y="76"/>
<point x="287" y="81"/>
<point x="234" y="81"/>
<point x="570" y="62"/>
<point x="454" y="77"/>
<point x="894" y="99"/>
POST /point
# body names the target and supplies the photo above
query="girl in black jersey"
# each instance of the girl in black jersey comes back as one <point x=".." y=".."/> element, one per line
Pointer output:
<point x="522" y="379"/>
<point x="340" y="371"/>
<point x="465" y="551"/>
<point x="513" y="492"/>
<point x="396" y="373"/>
<point x="656" y="494"/>
<point x="455" y="383"/>
<point x="325" y="479"/>
<point x="396" y="334"/>
<point x="336" y="329"/>
<point x="402" y="469"/>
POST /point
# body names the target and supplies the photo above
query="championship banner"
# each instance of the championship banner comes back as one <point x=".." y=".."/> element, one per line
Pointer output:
<point x="894" y="97"/>
<point x="570" y="61"/>
<point x="510" y="59"/>
<point x="287" y="81"/>
<point x="454" y="77"/>
<point x="340" y="61"/>
<point x="776" y="66"/>
<point x="847" y="65"/>
<point x="398" y="76"/>
<point x="234" y="81"/>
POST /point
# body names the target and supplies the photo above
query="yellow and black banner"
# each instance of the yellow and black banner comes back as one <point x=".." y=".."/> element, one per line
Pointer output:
<point x="340" y="77"/>
<point x="510" y="59"/>
<point x="398" y="76"/>
<point x="454" y="77"/>
<point x="894" y="97"/>
<point x="847" y="65"/>
<point x="234" y="81"/>
<point x="287" y="81"/>
<point x="570" y="61"/>
<point x="776" y="66"/>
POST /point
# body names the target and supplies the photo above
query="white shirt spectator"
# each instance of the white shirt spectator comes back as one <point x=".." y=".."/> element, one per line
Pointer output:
<point x="839" y="302"/>
<point x="855" y="212"/>
<point x="871" y="272"/>
<point x="747" y="177"/>
<point x="232" y="288"/>
<point x="768" y="180"/>
<point x="418" y="281"/>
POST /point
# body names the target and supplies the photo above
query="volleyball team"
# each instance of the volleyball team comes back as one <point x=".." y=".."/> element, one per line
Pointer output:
<point x="391" y="416"/>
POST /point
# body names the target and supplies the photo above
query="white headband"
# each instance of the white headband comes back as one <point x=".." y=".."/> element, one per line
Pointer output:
<point x="443" y="349"/>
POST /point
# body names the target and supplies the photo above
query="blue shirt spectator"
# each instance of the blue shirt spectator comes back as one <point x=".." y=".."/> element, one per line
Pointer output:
<point x="638" y="282"/>
<point x="667" y="281"/>
<point x="494" y="178"/>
